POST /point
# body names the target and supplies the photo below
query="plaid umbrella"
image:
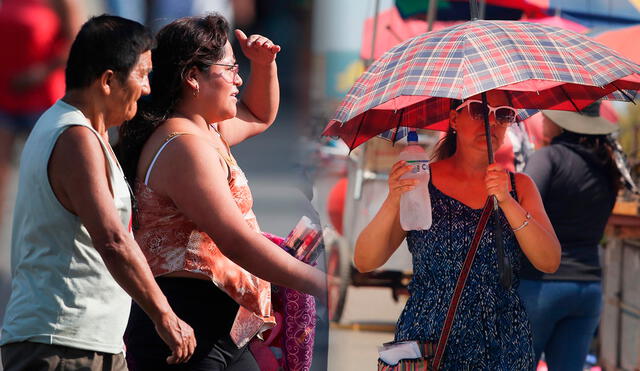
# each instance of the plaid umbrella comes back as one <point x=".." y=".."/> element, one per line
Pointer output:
<point x="539" y="66"/>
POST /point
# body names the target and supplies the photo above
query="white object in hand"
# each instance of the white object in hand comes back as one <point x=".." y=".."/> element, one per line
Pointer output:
<point x="415" y="205"/>
<point x="392" y="353"/>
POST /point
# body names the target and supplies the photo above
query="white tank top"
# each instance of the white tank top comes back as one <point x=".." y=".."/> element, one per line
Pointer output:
<point x="62" y="292"/>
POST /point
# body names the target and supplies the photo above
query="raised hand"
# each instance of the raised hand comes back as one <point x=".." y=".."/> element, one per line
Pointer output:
<point x="257" y="48"/>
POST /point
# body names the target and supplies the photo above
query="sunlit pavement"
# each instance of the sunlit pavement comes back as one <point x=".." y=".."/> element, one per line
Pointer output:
<point x="368" y="321"/>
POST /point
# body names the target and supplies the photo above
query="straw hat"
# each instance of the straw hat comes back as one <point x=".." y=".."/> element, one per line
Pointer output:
<point x="588" y="121"/>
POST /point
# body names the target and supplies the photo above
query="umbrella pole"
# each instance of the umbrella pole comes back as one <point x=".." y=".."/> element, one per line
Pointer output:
<point x="504" y="267"/>
<point x="431" y="14"/>
<point x="487" y="128"/>
<point x="473" y="8"/>
<point x="375" y="33"/>
<point x="483" y="9"/>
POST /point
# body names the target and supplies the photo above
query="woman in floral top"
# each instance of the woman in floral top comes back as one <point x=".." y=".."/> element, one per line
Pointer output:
<point x="194" y="222"/>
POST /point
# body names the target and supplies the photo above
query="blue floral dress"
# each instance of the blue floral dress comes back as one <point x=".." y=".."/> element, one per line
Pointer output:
<point x="491" y="330"/>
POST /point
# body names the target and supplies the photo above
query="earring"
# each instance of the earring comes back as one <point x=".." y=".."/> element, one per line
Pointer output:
<point x="454" y="132"/>
<point x="196" y="91"/>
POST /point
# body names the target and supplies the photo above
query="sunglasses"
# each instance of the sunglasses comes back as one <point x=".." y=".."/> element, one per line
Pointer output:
<point x="505" y="115"/>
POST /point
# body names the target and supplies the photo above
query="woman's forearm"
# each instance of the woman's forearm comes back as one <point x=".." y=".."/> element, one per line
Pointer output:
<point x="261" y="95"/>
<point x="258" y="255"/>
<point x="380" y="238"/>
<point x="539" y="244"/>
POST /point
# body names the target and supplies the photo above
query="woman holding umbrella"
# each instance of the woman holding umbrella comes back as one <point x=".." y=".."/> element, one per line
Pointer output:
<point x="490" y="330"/>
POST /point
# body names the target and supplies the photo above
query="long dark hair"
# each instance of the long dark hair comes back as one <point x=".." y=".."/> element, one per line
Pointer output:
<point x="601" y="146"/>
<point x="181" y="45"/>
<point x="446" y="146"/>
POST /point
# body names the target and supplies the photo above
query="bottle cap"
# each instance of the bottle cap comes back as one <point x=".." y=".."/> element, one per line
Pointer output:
<point x="412" y="136"/>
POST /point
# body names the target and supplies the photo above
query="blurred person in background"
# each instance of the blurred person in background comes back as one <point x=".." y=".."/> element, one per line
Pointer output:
<point x="578" y="180"/>
<point x="158" y="13"/>
<point x="240" y="13"/>
<point x="74" y="260"/>
<point x="35" y="36"/>
<point x="136" y="10"/>
<point x="195" y="221"/>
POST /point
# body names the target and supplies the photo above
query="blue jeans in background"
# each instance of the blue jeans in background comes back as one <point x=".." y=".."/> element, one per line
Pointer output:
<point x="564" y="316"/>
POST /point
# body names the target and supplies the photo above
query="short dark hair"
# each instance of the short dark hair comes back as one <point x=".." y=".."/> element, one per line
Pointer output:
<point x="105" y="42"/>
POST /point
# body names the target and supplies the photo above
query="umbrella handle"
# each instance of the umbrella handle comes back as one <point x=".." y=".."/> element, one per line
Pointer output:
<point x="504" y="266"/>
<point x="487" y="128"/>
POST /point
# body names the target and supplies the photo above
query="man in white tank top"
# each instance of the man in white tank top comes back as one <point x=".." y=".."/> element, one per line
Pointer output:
<point x="74" y="261"/>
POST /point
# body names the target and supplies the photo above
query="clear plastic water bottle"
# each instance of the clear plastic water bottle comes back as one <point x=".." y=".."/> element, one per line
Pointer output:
<point x="415" y="205"/>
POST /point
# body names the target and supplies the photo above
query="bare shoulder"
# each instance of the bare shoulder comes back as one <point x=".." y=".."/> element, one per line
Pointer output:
<point x="160" y="135"/>
<point x="77" y="166"/>
<point x="77" y="144"/>
<point x="525" y="186"/>
<point x="436" y="163"/>
<point x="78" y="135"/>
<point x="189" y="158"/>
<point x="441" y="169"/>
<point x="439" y="166"/>
<point x="190" y="146"/>
<point x="524" y="180"/>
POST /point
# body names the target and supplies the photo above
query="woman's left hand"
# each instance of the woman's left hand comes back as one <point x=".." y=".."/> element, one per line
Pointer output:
<point x="257" y="48"/>
<point x="497" y="182"/>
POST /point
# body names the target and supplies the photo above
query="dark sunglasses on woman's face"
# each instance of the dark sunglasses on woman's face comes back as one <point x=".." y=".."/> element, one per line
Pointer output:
<point x="505" y="115"/>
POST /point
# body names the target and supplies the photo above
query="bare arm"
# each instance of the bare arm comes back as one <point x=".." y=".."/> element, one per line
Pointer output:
<point x="202" y="193"/>
<point x="383" y="235"/>
<point x="537" y="240"/>
<point x="78" y="175"/>
<point x="261" y="97"/>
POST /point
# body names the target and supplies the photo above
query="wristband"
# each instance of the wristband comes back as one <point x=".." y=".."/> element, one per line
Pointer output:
<point x="524" y="224"/>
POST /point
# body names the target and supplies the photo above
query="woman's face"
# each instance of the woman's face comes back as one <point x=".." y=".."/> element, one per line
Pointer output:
<point x="470" y="130"/>
<point x="218" y="87"/>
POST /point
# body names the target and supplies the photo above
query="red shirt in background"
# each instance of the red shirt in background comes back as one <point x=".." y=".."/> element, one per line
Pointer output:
<point x="30" y="33"/>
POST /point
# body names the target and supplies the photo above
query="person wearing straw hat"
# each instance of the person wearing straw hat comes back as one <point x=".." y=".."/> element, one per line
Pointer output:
<point x="578" y="180"/>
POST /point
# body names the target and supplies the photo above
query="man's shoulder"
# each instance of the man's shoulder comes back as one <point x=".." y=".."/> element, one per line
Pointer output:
<point x="56" y="119"/>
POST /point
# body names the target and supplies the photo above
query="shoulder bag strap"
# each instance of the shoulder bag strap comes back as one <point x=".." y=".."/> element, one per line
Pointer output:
<point x="512" y="176"/>
<point x="462" y="279"/>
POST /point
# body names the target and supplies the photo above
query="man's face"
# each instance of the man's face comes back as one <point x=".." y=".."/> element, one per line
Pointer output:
<point x="127" y="93"/>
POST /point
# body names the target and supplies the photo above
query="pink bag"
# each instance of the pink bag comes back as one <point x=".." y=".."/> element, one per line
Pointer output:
<point x="289" y="345"/>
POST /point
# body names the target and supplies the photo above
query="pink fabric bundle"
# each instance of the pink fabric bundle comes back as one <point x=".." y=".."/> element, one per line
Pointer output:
<point x="289" y="345"/>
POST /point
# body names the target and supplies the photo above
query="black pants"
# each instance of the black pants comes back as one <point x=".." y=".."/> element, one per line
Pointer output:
<point x="209" y="311"/>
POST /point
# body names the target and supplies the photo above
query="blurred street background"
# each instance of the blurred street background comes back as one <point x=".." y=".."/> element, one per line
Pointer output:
<point x="326" y="45"/>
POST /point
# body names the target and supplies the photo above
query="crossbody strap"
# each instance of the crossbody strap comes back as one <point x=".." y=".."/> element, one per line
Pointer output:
<point x="462" y="279"/>
<point x="512" y="177"/>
